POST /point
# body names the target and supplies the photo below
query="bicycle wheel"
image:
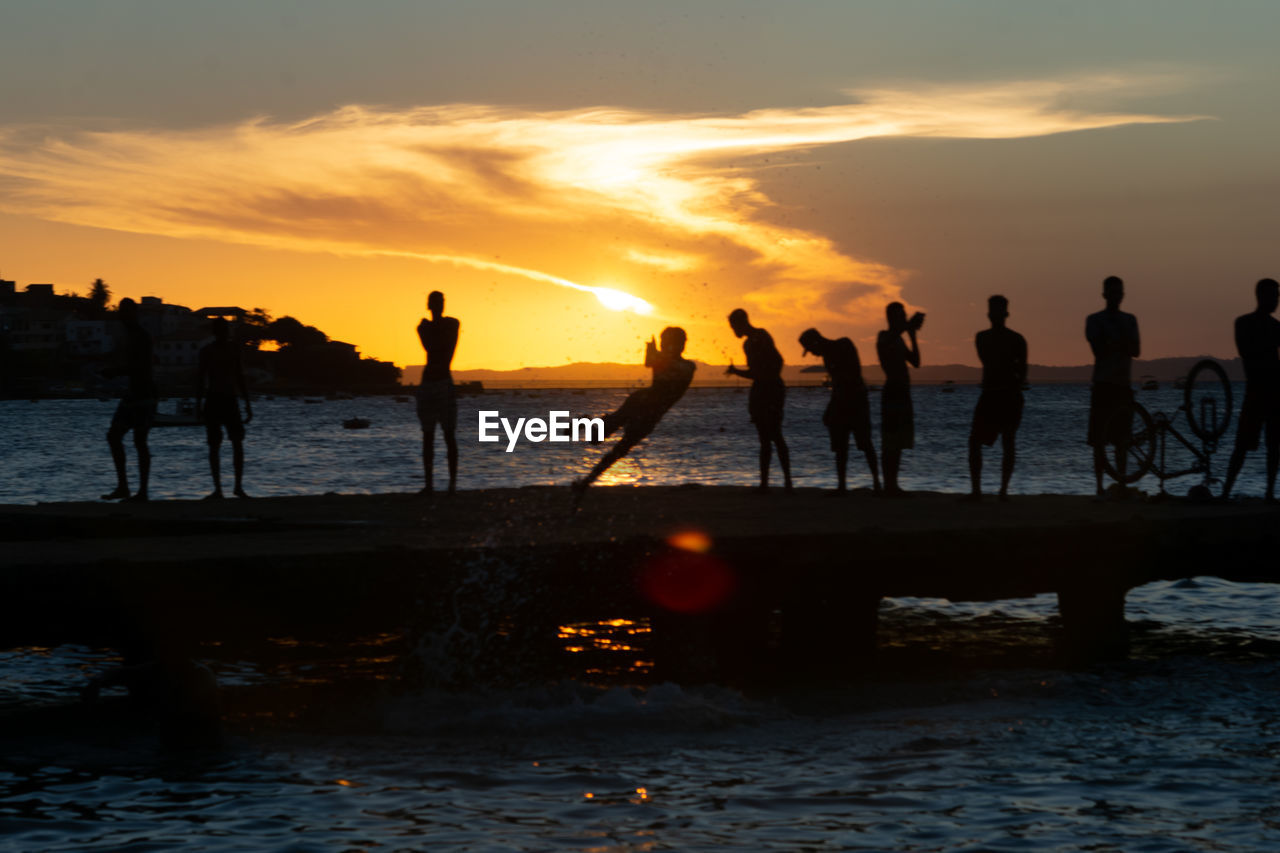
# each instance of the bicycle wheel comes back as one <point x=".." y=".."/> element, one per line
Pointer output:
<point x="1208" y="400"/>
<point x="1130" y="435"/>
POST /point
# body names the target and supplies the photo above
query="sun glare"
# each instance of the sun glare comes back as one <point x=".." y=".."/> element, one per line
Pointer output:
<point x="616" y="300"/>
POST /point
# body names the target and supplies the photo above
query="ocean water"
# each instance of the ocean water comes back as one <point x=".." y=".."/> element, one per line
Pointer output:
<point x="966" y="732"/>
<point x="54" y="449"/>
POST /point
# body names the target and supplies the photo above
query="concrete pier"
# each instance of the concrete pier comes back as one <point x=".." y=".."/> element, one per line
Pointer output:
<point x="711" y="561"/>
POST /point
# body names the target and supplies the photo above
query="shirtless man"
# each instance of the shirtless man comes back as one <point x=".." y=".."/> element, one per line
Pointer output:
<point x="897" y="417"/>
<point x="849" y="410"/>
<point x="1113" y="337"/>
<point x="1258" y="341"/>
<point x="1003" y="353"/>
<point x="436" y="400"/>
<point x="641" y="411"/>
<point x="768" y="393"/>
<point x="137" y="409"/>
<point x="219" y="379"/>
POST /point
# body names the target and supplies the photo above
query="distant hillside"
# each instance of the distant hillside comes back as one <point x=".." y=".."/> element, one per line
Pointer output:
<point x="605" y="374"/>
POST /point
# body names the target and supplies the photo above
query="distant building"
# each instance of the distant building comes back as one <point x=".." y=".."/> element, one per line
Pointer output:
<point x="181" y="349"/>
<point x="39" y="295"/>
<point x="231" y="313"/>
<point x="89" y="337"/>
<point x="30" y="320"/>
<point x="164" y="320"/>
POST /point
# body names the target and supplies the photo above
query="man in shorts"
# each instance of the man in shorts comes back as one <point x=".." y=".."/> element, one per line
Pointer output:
<point x="848" y="410"/>
<point x="437" y="403"/>
<point x="767" y="395"/>
<point x="1113" y="337"/>
<point x="137" y="408"/>
<point x="1258" y="342"/>
<point x="897" y="417"/>
<point x="641" y="411"/>
<point x="219" y="383"/>
<point x="1003" y="353"/>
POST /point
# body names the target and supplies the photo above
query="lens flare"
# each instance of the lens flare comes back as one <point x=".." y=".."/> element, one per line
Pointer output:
<point x="690" y="540"/>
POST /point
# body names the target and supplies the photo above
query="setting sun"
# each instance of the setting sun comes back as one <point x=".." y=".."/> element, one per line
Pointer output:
<point x="616" y="300"/>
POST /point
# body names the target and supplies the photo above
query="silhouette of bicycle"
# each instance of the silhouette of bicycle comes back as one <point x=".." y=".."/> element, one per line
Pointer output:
<point x="1207" y="405"/>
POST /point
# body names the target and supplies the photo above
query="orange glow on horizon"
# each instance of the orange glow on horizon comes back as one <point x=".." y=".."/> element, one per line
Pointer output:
<point x="345" y="220"/>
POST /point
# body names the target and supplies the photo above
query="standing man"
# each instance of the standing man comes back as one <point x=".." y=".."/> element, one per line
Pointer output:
<point x="848" y="410"/>
<point x="1113" y="337"/>
<point x="1003" y="353"/>
<point x="897" y="417"/>
<point x="641" y="411"/>
<point x="219" y="379"/>
<point x="137" y="409"/>
<point x="1258" y="341"/>
<point x="436" y="400"/>
<point x="767" y="395"/>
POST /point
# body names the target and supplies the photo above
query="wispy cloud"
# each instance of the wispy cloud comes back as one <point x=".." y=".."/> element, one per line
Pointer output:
<point x="549" y="196"/>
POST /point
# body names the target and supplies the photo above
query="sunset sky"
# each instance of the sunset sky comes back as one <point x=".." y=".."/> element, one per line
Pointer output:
<point x="808" y="161"/>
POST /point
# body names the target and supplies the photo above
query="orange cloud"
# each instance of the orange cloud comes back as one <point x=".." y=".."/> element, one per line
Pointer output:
<point x="613" y="201"/>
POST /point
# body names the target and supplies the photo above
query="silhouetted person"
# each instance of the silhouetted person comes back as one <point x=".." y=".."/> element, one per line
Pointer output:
<point x="848" y="409"/>
<point x="1113" y="337"/>
<point x="137" y="408"/>
<point x="641" y="411"/>
<point x="768" y="393"/>
<point x="897" y="417"/>
<point x="219" y="379"/>
<point x="437" y="403"/>
<point x="1258" y="341"/>
<point x="1003" y="353"/>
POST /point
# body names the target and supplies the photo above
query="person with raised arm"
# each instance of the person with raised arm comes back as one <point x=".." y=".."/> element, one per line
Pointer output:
<point x="897" y="417"/>
<point x="643" y="408"/>
<point x="768" y="393"/>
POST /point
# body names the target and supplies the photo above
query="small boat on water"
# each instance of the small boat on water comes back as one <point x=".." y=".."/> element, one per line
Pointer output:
<point x="356" y="423"/>
<point x="183" y="414"/>
<point x="1149" y="383"/>
<point x="948" y="387"/>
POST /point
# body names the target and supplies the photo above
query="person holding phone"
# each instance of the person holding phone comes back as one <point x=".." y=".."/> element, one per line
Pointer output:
<point x="643" y="408"/>
<point x="897" y="418"/>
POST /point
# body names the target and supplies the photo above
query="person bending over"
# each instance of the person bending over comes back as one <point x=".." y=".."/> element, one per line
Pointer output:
<point x="848" y="410"/>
